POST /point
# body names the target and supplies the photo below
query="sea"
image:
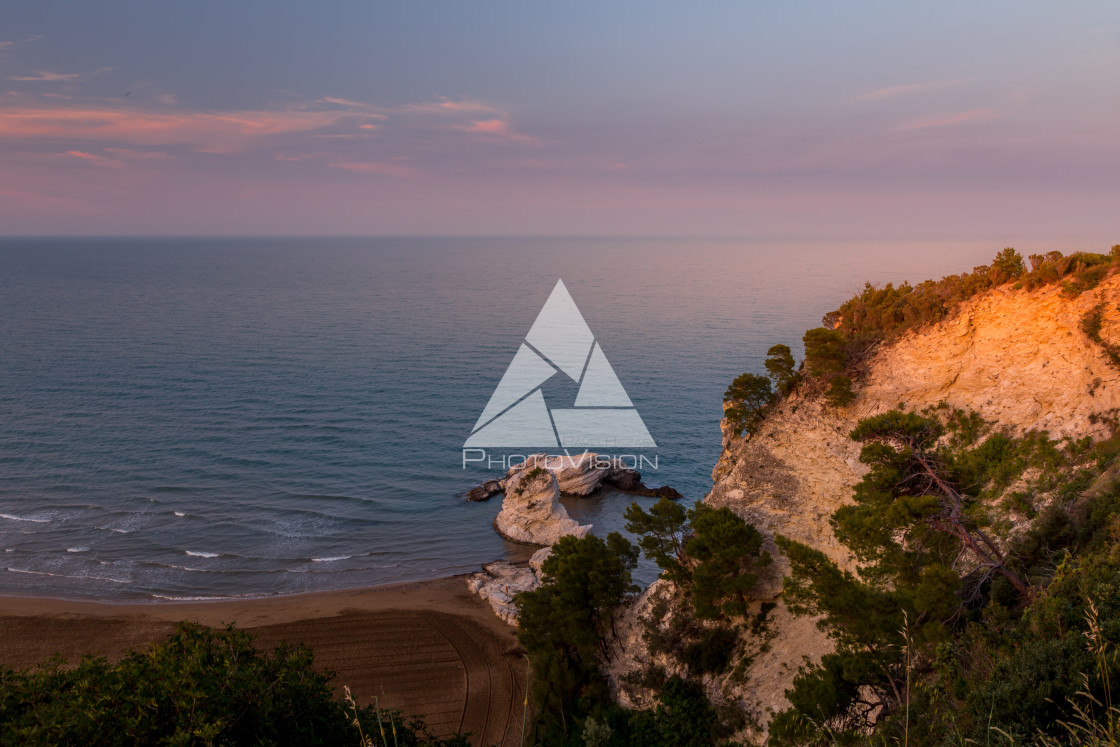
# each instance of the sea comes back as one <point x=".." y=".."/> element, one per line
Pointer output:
<point x="200" y="418"/>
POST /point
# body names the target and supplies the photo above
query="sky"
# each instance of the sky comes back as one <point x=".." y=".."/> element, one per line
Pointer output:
<point x="886" y="119"/>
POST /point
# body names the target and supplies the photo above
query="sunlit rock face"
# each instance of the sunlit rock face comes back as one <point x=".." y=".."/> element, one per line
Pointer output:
<point x="1019" y="358"/>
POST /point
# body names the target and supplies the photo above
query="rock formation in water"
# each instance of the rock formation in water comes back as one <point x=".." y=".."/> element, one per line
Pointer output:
<point x="531" y="509"/>
<point x="582" y="474"/>
<point x="532" y="514"/>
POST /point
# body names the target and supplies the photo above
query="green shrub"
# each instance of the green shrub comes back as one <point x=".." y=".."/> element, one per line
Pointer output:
<point x="712" y="653"/>
<point x="683" y="717"/>
<point x="564" y="624"/>
<point x="824" y="352"/>
<point x="886" y="312"/>
<point x="201" y="686"/>
<point x="780" y="367"/>
<point x="745" y="402"/>
<point x="839" y="392"/>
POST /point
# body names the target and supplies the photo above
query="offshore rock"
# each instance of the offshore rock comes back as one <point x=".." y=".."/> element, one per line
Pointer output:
<point x="531" y="510"/>
<point x="580" y="475"/>
<point x="484" y="491"/>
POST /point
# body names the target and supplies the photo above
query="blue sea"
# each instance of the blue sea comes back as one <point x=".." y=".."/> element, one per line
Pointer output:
<point x="199" y="418"/>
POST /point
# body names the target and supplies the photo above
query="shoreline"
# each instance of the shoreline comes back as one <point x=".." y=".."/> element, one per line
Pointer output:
<point x="154" y="601"/>
<point x="431" y="648"/>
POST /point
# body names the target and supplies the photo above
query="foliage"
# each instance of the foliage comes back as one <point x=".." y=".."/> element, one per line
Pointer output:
<point x="887" y="312"/>
<point x="781" y="368"/>
<point x="935" y="643"/>
<point x="1007" y="265"/>
<point x="1091" y="325"/>
<point x="201" y="686"/>
<point x="910" y="526"/>
<point x="683" y="717"/>
<point x="839" y="392"/>
<point x="715" y="557"/>
<point x="746" y="400"/>
<point x="824" y="352"/>
<point x="661" y="534"/>
<point x="725" y="551"/>
<point x="713" y="652"/>
<point x="563" y="627"/>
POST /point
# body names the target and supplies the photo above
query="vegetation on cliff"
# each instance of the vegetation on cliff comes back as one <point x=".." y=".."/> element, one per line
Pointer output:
<point x="882" y="313"/>
<point x="947" y="633"/>
<point x="564" y="626"/>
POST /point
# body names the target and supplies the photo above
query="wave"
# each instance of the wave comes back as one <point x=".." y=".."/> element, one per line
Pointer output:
<point x="331" y="560"/>
<point x="180" y="513"/>
<point x="24" y="518"/>
<point x="200" y="554"/>
<point x="67" y="575"/>
<point x="77" y="549"/>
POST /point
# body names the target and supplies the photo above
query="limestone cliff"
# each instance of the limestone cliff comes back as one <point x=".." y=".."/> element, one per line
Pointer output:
<point x="1019" y="358"/>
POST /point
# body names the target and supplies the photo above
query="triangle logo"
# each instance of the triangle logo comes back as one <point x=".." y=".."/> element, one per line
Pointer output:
<point x="559" y="342"/>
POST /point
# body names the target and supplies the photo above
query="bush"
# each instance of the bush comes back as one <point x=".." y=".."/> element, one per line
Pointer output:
<point x="824" y="352"/>
<point x="746" y="400"/>
<point x="683" y="718"/>
<point x="726" y="553"/>
<point x="839" y="392"/>
<point x="780" y="367"/>
<point x="712" y="653"/>
<point x="889" y="311"/>
<point x="563" y="626"/>
<point x="201" y="686"/>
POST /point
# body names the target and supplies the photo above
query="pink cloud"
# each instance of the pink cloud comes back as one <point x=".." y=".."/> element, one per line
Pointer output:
<point x="498" y="128"/>
<point x="892" y="91"/>
<point x="297" y="157"/>
<point x="374" y="167"/>
<point x="43" y="75"/>
<point x="976" y="115"/>
<point x="204" y="131"/>
<point x="92" y="158"/>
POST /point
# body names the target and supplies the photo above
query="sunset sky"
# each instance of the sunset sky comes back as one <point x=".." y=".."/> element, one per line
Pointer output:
<point x="978" y="119"/>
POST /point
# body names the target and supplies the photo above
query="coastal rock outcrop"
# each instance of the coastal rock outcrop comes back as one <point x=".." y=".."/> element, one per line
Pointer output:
<point x="497" y="584"/>
<point x="500" y="581"/>
<point x="531" y="510"/>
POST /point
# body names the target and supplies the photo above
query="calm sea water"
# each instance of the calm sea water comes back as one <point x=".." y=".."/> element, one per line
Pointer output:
<point x="184" y="418"/>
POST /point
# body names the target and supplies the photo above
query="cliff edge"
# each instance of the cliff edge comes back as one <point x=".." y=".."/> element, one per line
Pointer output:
<point x="1025" y="360"/>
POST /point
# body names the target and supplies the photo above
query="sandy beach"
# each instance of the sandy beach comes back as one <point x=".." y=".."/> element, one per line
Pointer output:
<point x="430" y="648"/>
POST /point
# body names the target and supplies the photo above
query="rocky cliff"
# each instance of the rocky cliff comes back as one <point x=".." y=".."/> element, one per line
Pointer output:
<point x="1021" y="359"/>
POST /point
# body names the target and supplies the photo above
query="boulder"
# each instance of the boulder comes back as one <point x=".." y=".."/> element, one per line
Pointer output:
<point x="497" y="584"/>
<point x="531" y="510"/>
<point x="485" y="491"/>
<point x="499" y="581"/>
